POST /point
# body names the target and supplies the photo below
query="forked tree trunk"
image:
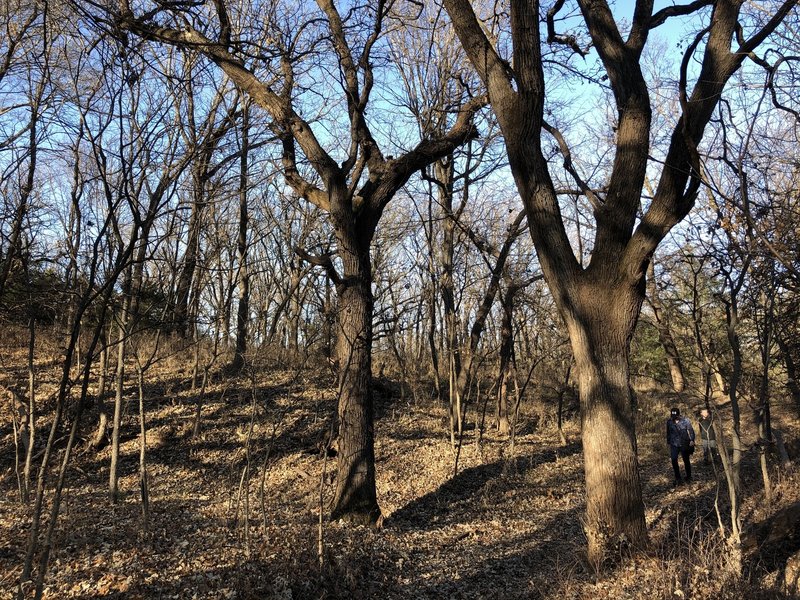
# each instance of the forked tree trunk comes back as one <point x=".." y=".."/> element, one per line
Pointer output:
<point x="600" y="333"/>
<point x="600" y="303"/>
<point x="355" y="498"/>
<point x="355" y="195"/>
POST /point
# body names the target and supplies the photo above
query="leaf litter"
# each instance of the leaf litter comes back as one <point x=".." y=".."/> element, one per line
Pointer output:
<point x="506" y="525"/>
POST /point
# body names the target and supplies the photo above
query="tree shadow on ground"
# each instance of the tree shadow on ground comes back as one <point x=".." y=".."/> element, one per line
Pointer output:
<point x="459" y="493"/>
<point x="521" y="568"/>
<point x="362" y="564"/>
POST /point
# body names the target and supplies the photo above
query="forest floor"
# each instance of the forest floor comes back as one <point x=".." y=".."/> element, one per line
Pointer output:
<point x="506" y="524"/>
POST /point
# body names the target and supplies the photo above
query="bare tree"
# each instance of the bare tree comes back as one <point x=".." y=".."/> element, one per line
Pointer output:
<point x="600" y="303"/>
<point x="354" y="193"/>
<point x="243" y="309"/>
<point x="29" y="39"/>
<point x="203" y="138"/>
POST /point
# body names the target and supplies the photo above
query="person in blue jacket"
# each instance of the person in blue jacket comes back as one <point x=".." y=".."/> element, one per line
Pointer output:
<point x="680" y="439"/>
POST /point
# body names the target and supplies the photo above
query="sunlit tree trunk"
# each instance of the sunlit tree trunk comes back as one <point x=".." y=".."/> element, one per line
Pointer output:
<point x="123" y="322"/>
<point x="100" y="400"/>
<point x="506" y="357"/>
<point x="600" y="336"/>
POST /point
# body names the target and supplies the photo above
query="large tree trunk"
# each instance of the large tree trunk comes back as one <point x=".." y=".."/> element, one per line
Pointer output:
<point x="600" y="303"/>
<point x="356" y="498"/>
<point x="601" y="325"/>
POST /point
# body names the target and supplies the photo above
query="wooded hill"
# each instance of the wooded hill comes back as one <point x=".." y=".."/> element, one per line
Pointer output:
<point x="326" y="300"/>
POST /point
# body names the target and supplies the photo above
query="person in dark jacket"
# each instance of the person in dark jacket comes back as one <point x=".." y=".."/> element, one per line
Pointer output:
<point x="680" y="439"/>
<point x="708" y="438"/>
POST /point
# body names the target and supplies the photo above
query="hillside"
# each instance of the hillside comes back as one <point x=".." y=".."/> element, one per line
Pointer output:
<point x="507" y="524"/>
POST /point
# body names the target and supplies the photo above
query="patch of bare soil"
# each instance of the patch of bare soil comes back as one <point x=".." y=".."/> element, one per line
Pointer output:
<point x="235" y="509"/>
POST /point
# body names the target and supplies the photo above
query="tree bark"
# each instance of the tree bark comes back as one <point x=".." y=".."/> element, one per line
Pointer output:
<point x="30" y="430"/>
<point x="444" y="173"/>
<point x="431" y="297"/>
<point x="355" y="499"/>
<point x="762" y="411"/>
<point x="100" y="396"/>
<point x="144" y="487"/>
<point x="600" y="333"/>
<point x="129" y="313"/>
<point x="560" y="417"/>
<point x="181" y="314"/>
<point x="733" y="466"/>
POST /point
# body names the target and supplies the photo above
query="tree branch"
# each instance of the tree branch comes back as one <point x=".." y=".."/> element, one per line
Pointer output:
<point x="301" y="186"/>
<point x="261" y="93"/>
<point x="765" y="31"/>
<point x="555" y="38"/>
<point x="678" y="10"/>
<point x="593" y="198"/>
<point x="356" y="98"/>
<point x="321" y="260"/>
<point x="493" y="70"/>
<point x="396" y="172"/>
